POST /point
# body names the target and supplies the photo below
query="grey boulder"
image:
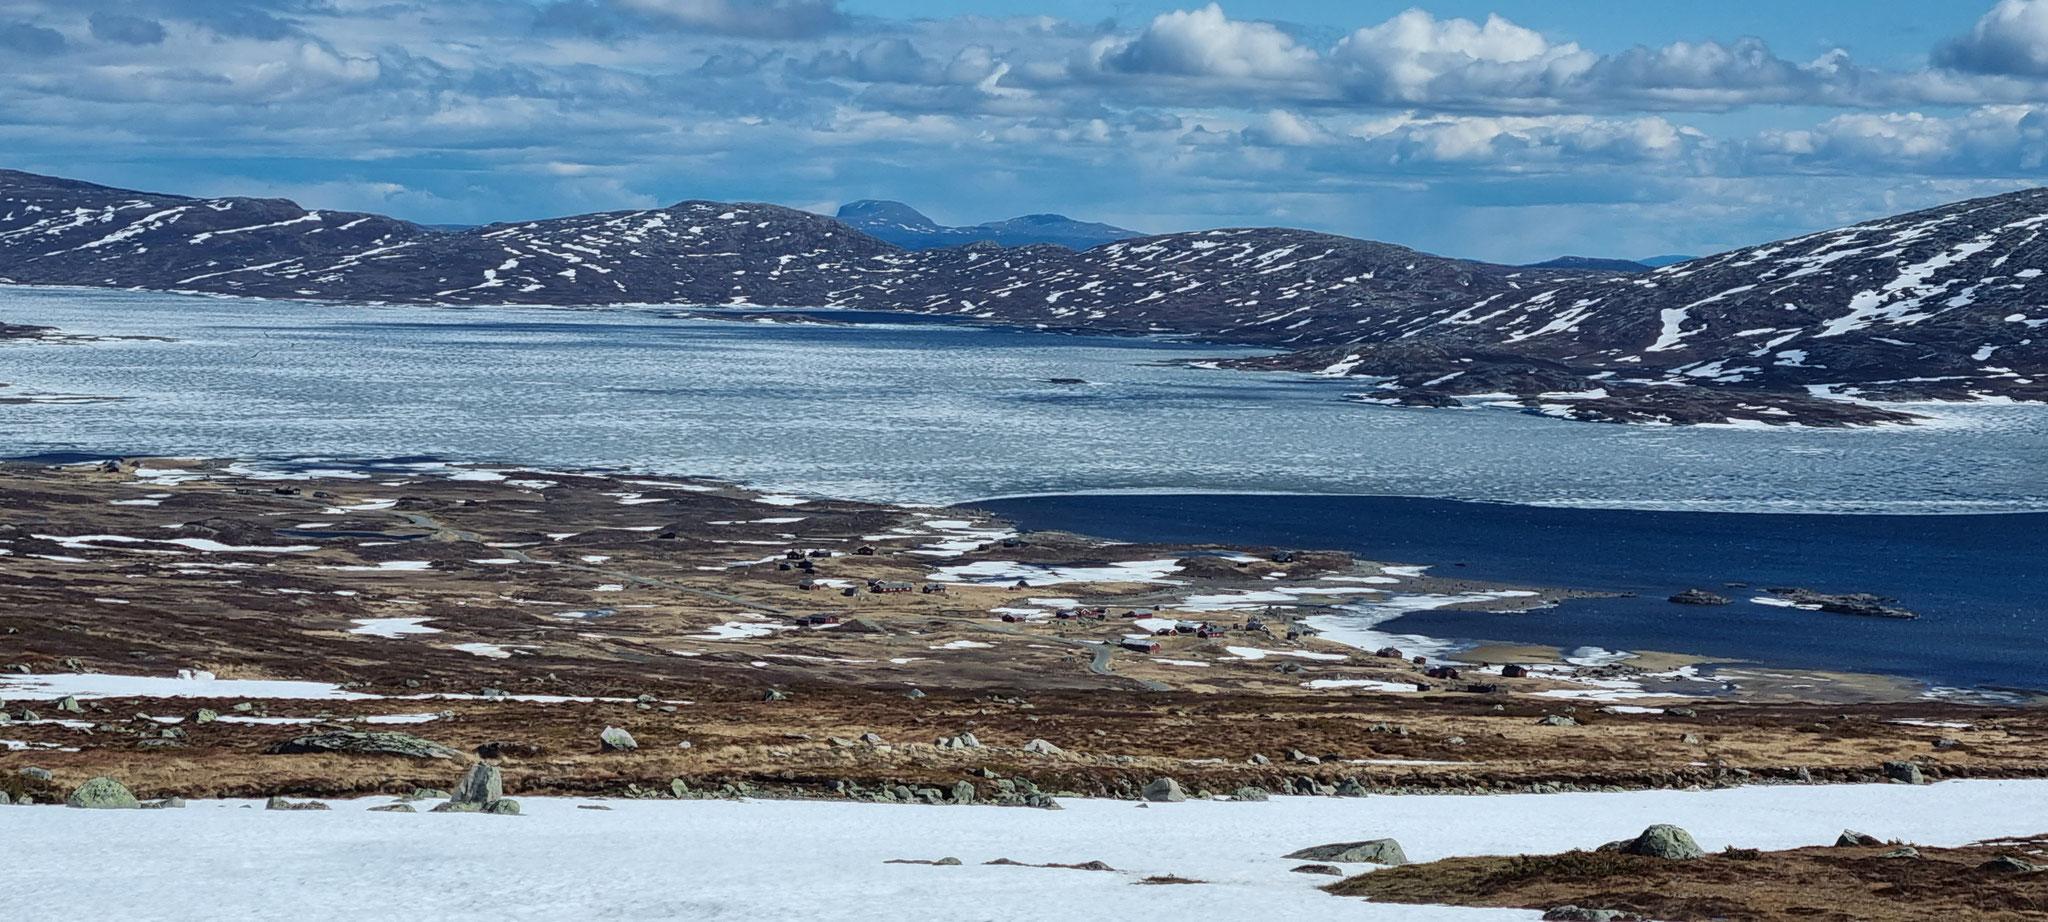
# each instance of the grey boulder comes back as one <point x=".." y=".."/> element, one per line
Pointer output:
<point x="1661" y="841"/>
<point x="483" y="784"/>
<point x="1164" y="790"/>
<point x="615" y="739"/>
<point x="102" y="794"/>
<point x="1376" y="851"/>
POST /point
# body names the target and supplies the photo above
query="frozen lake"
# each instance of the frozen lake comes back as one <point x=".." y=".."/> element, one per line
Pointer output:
<point x="903" y="411"/>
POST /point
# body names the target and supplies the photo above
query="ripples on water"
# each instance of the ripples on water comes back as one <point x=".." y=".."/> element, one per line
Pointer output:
<point x="906" y="412"/>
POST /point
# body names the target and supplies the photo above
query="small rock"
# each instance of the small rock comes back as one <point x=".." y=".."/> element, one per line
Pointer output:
<point x="1376" y="851"/>
<point x="502" y="807"/>
<point x="1850" y="838"/>
<point x="205" y="716"/>
<point x="40" y="774"/>
<point x="774" y="695"/>
<point x="279" y="803"/>
<point x="1043" y="748"/>
<point x="963" y="792"/>
<point x="394" y="808"/>
<point x="947" y="862"/>
<point x="168" y="803"/>
<point x="1250" y="794"/>
<point x="1690" y="739"/>
<point x="1903" y="851"/>
<point x="1556" y="720"/>
<point x="69" y="705"/>
<point x="1164" y="790"/>
<point x="1681" y="712"/>
<point x="963" y="741"/>
<point x="617" y="740"/>
<point x="872" y="739"/>
<point x="1948" y="743"/>
<point x="101" y="794"/>
<point x="1329" y="870"/>
<point x="1258" y="759"/>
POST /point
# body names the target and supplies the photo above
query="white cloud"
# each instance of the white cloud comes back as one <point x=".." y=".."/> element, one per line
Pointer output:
<point x="2010" y="39"/>
<point x="1415" y="57"/>
<point x="1207" y="43"/>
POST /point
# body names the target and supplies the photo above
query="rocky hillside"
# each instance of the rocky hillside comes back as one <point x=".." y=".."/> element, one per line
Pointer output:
<point x="1940" y="304"/>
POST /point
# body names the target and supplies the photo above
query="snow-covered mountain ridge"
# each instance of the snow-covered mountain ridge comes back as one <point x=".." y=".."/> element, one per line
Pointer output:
<point x="1939" y="304"/>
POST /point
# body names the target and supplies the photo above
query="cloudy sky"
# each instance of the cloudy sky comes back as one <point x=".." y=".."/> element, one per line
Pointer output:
<point x="1508" y="130"/>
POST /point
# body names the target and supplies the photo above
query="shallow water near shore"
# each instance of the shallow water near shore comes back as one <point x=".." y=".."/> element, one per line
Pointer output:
<point x="917" y="412"/>
<point x="1975" y="579"/>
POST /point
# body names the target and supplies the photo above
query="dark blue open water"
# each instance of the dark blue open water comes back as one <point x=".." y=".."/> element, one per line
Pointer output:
<point x="1977" y="580"/>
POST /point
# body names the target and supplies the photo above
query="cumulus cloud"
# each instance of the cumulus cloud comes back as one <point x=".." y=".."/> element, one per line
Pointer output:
<point x="2010" y="39"/>
<point x="1989" y="139"/>
<point x="1416" y="57"/>
<point x="1206" y="43"/>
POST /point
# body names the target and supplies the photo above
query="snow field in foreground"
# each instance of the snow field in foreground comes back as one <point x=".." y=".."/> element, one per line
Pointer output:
<point x="770" y="860"/>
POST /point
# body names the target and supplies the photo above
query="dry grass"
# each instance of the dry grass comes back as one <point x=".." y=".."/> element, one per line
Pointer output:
<point x="1821" y="884"/>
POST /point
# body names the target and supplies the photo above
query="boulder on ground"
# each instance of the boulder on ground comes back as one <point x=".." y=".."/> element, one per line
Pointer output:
<point x="1250" y="794"/>
<point x="69" y="705"/>
<point x="1660" y="841"/>
<point x="372" y="743"/>
<point x="394" y="808"/>
<point x="482" y="784"/>
<point x="1376" y="851"/>
<point x="1043" y="748"/>
<point x="615" y="739"/>
<point x="963" y="741"/>
<point x="774" y="695"/>
<point x="506" y="807"/>
<point x="1556" y="720"/>
<point x="102" y="794"/>
<point x="1903" y="772"/>
<point x="1164" y="790"/>
<point x="1850" y="838"/>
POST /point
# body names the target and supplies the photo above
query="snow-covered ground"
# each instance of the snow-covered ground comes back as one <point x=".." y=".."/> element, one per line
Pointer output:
<point x="717" y="860"/>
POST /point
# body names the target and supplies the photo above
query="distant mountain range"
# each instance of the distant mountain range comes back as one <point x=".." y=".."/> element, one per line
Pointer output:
<point x="1941" y="304"/>
<point x="908" y="228"/>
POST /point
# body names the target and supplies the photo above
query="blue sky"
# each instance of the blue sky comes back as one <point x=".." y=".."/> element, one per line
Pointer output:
<point x="1510" y="130"/>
